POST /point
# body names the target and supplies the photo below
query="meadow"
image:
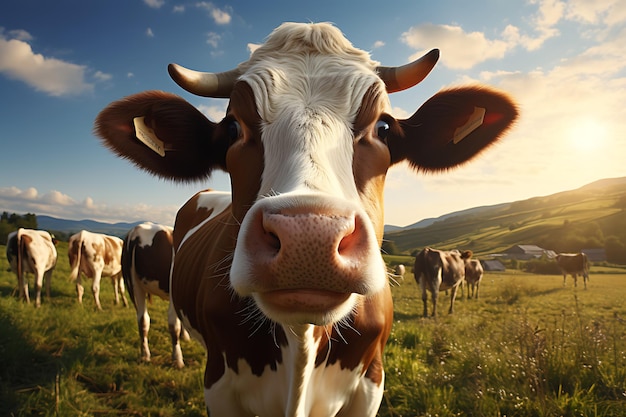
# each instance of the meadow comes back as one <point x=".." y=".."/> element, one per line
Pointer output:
<point x="527" y="347"/>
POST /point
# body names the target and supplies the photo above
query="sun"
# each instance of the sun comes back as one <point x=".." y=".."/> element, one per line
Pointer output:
<point x="587" y="134"/>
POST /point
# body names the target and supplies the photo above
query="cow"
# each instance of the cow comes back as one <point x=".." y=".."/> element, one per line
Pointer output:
<point x="399" y="271"/>
<point x="282" y="279"/>
<point x="146" y="264"/>
<point x="473" y="277"/>
<point x="574" y="264"/>
<point x="96" y="255"/>
<point x="32" y="251"/>
<point x="437" y="270"/>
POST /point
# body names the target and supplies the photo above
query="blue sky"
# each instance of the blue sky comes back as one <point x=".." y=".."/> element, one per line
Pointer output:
<point x="61" y="62"/>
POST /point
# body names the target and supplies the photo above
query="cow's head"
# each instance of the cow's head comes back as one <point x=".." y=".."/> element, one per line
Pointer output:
<point x="307" y="141"/>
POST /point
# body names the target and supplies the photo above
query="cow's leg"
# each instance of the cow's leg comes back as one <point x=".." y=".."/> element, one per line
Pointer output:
<point x="22" y="284"/>
<point x="564" y="279"/>
<point x="452" y="297"/>
<point x="38" y="284"/>
<point x="176" y="332"/>
<point x="118" y="287"/>
<point x="575" y="276"/>
<point x="48" y="278"/>
<point x="424" y="295"/>
<point x="585" y="278"/>
<point x="123" y="290"/>
<point x="80" y="290"/>
<point x="476" y="290"/>
<point x="434" y="294"/>
<point x="95" y="288"/>
<point x="143" y="319"/>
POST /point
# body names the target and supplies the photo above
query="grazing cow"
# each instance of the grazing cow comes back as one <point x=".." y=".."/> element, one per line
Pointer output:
<point x="96" y="255"/>
<point x="574" y="264"/>
<point x="437" y="270"/>
<point x="473" y="276"/>
<point x="32" y="251"/>
<point x="146" y="265"/>
<point x="399" y="271"/>
<point x="283" y="280"/>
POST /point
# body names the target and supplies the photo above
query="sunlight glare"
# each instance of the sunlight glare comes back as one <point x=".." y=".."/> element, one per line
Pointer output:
<point x="587" y="134"/>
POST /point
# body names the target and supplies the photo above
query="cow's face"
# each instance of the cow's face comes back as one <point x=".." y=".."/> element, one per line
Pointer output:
<point x="307" y="142"/>
<point x="309" y="195"/>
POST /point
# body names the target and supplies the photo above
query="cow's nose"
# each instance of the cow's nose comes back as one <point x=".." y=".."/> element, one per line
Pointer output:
<point x="312" y="250"/>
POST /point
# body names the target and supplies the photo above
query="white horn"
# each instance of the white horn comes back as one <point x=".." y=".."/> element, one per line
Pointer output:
<point x="206" y="84"/>
<point x="400" y="78"/>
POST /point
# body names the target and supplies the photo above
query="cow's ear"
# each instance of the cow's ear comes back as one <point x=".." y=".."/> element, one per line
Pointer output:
<point x="451" y="128"/>
<point x="162" y="134"/>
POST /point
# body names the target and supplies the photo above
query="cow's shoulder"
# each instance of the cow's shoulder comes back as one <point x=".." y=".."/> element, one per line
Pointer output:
<point x="203" y="207"/>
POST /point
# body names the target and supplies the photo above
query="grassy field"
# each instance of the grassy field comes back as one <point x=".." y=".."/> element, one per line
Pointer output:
<point x="527" y="347"/>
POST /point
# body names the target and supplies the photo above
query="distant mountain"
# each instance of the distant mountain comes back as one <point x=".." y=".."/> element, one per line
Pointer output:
<point x="75" y="226"/>
<point x="566" y="221"/>
<point x="427" y="222"/>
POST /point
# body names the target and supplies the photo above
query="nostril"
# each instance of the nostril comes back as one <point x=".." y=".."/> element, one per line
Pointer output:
<point x="350" y="240"/>
<point x="273" y="241"/>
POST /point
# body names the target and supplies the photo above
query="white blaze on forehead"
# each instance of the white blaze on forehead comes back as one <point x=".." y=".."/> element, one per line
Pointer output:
<point x="308" y="96"/>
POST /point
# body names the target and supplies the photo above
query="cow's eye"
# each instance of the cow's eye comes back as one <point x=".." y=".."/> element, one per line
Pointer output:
<point x="234" y="130"/>
<point x="381" y="129"/>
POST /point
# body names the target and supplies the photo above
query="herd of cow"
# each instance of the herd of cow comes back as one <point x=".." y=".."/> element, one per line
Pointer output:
<point x="282" y="281"/>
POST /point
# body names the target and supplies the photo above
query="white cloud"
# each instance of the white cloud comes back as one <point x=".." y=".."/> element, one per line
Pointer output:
<point x="21" y="35"/>
<point x="149" y="33"/>
<point x="214" y="112"/>
<point x="179" y="9"/>
<point x="155" y="4"/>
<point x="219" y="16"/>
<point x="50" y="75"/>
<point x="101" y="76"/>
<point x="57" y="204"/>
<point x="378" y="44"/>
<point x="213" y="39"/>
<point x="463" y="50"/>
<point x="610" y="12"/>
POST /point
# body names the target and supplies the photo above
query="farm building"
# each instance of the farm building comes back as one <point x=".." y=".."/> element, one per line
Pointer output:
<point x="525" y="252"/>
<point x="595" y="254"/>
<point x="493" y="265"/>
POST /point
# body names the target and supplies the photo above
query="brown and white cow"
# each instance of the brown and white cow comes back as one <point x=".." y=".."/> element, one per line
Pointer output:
<point x="96" y="255"/>
<point x="32" y="251"/>
<point x="437" y="270"/>
<point x="574" y="264"/>
<point x="146" y="264"/>
<point x="283" y="280"/>
<point x="473" y="276"/>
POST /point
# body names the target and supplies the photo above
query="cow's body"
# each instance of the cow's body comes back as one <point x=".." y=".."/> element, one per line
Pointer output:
<point x="146" y="266"/>
<point x="437" y="270"/>
<point x="473" y="276"/>
<point x="96" y="255"/>
<point x="574" y="264"/>
<point x="283" y="280"/>
<point x="32" y="251"/>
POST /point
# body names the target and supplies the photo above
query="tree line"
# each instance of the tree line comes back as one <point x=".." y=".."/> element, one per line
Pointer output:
<point x="13" y="221"/>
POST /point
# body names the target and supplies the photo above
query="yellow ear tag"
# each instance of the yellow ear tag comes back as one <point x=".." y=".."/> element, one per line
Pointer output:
<point x="473" y="123"/>
<point x="147" y="136"/>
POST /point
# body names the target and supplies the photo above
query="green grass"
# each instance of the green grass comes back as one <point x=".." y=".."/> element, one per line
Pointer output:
<point x="527" y="347"/>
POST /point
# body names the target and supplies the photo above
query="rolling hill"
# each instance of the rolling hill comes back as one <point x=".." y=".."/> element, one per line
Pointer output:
<point x="73" y="226"/>
<point x="565" y="221"/>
